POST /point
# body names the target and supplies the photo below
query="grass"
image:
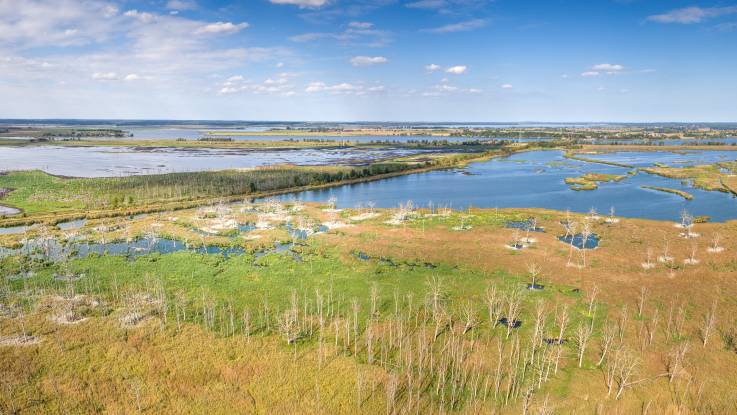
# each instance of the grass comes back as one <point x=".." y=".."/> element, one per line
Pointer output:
<point x="590" y="181"/>
<point x="576" y="156"/>
<point x="203" y="362"/>
<point x="711" y="177"/>
<point x="681" y="193"/>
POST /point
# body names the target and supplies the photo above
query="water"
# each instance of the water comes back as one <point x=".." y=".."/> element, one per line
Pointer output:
<point x="126" y="161"/>
<point x="71" y="225"/>
<point x="535" y="180"/>
<point x="54" y="250"/>
<point x="590" y="242"/>
<point x="14" y="230"/>
<point x="674" y="159"/>
<point x="7" y="211"/>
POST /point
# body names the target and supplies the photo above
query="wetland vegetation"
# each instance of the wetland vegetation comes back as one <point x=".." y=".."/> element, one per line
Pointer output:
<point x="179" y="293"/>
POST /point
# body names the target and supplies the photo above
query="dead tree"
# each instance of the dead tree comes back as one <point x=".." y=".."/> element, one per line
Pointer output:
<point x="710" y="321"/>
<point x="583" y="334"/>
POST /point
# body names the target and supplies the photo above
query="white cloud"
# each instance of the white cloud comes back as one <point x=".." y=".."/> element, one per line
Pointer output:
<point x="132" y="77"/>
<point x="608" y="68"/>
<point x="507" y="86"/>
<point x="691" y="15"/>
<point x="143" y="17"/>
<point x="105" y="76"/>
<point x="220" y="28"/>
<point x="181" y="5"/>
<point x="445" y="89"/>
<point x="360" y="25"/>
<point x="357" y="34"/>
<point x="433" y="68"/>
<point x="590" y="73"/>
<point x="458" y="27"/>
<point x="344" y="89"/>
<point x="278" y="85"/>
<point x="55" y="23"/>
<point x="337" y="88"/>
<point x="303" y="4"/>
<point x="457" y="70"/>
<point x="368" y="60"/>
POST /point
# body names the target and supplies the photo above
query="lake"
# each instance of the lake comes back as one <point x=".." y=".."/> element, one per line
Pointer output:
<point x="127" y="161"/>
<point x="535" y="180"/>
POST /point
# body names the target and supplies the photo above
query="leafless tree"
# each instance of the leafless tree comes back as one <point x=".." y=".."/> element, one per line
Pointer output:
<point x="710" y="321"/>
<point x="607" y="339"/>
<point x="619" y="371"/>
<point x="583" y="334"/>
<point x="715" y="248"/>
<point x="676" y="357"/>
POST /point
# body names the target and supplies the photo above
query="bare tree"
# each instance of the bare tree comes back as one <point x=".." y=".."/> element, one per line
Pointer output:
<point x="710" y="321"/>
<point x="676" y="357"/>
<point x="619" y="371"/>
<point x="715" y="248"/>
<point x="534" y="270"/>
<point x="583" y="334"/>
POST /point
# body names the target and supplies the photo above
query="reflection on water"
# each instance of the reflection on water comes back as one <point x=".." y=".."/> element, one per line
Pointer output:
<point x="536" y="180"/>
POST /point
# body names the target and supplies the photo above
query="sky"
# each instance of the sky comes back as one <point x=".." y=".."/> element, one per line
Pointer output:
<point x="370" y="60"/>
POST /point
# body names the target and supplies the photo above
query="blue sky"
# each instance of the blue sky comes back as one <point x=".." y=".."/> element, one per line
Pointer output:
<point x="346" y="60"/>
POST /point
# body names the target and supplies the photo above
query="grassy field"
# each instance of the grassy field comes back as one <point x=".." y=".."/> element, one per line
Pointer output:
<point x="392" y="311"/>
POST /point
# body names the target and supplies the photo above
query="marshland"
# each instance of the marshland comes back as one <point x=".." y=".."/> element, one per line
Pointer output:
<point x="501" y="277"/>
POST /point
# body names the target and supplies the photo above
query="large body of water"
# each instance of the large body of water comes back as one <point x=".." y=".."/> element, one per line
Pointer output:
<point x="127" y="161"/>
<point x="536" y="180"/>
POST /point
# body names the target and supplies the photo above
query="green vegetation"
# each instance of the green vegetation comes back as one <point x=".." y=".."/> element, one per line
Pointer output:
<point x="712" y="177"/>
<point x="590" y="181"/>
<point x="37" y="193"/>
<point x="685" y="195"/>
<point x="374" y="319"/>
<point x="575" y="156"/>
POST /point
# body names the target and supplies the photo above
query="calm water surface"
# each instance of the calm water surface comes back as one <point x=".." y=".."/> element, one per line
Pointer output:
<point x="535" y="179"/>
<point x="127" y="161"/>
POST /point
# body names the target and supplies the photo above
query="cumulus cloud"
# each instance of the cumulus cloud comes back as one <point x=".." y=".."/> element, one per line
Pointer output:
<point x="105" y="76"/>
<point x="457" y="70"/>
<point x="55" y="23"/>
<point x="278" y="85"/>
<point x="337" y="88"/>
<point x="433" y="68"/>
<point x="608" y="67"/>
<point x="143" y="17"/>
<point x="220" y="28"/>
<point x="691" y="15"/>
<point x="458" y="27"/>
<point x="303" y="4"/>
<point x="603" y="69"/>
<point x="368" y="60"/>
